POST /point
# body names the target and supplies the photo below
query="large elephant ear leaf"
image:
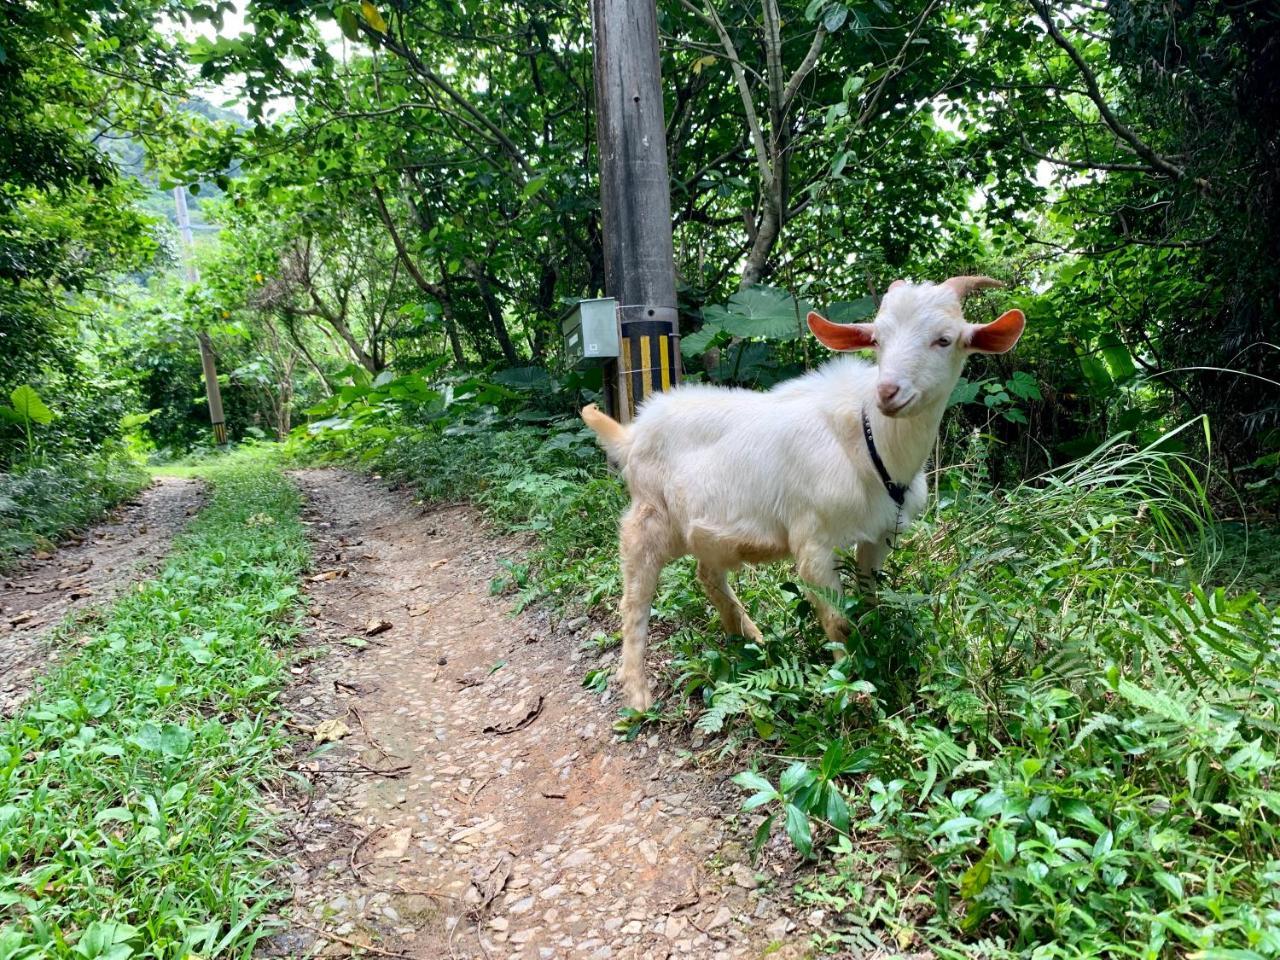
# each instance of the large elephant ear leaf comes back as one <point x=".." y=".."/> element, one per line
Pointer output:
<point x="760" y="311"/>
<point x="28" y="405"/>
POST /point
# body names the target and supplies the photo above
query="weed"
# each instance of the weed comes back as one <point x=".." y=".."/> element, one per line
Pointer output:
<point x="41" y="502"/>
<point x="131" y="823"/>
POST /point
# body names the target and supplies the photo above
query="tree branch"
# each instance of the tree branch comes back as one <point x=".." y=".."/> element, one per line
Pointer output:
<point x="423" y="284"/>
<point x="1115" y="124"/>
<point x="806" y="65"/>
<point x="1083" y="164"/>
<point x="744" y="89"/>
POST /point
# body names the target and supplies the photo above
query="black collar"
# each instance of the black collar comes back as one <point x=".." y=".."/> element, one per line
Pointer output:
<point x="896" y="490"/>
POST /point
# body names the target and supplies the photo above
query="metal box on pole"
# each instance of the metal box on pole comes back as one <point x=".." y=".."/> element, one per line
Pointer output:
<point x="591" y="331"/>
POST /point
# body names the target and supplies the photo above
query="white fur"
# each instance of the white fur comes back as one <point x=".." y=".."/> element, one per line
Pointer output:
<point x="736" y="476"/>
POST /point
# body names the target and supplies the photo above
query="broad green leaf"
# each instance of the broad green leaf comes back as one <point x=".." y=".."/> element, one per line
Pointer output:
<point x="975" y="879"/>
<point x="28" y="405"/>
<point x="837" y="812"/>
<point x="851" y="311"/>
<point x="796" y="776"/>
<point x="1004" y="842"/>
<point x="348" y="24"/>
<point x="799" y="831"/>
<point x="175" y="741"/>
<point x="750" y="780"/>
<point x="532" y="188"/>
<point x="695" y="343"/>
<point x="760" y="311"/>
<point x="1117" y="357"/>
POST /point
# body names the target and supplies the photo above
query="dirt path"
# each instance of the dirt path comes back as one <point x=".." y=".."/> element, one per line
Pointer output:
<point x="507" y="821"/>
<point x="87" y="570"/>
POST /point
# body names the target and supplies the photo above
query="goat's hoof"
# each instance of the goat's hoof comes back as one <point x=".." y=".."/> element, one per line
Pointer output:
<point x="638" y="696"/>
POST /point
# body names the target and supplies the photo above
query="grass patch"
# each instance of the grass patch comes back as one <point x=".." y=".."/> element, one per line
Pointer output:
<point x="41" y="503"/>
<point x="130" y="821"/>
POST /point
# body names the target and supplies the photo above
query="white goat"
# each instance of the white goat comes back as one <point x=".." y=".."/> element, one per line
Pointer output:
<point x="828" y="460"/>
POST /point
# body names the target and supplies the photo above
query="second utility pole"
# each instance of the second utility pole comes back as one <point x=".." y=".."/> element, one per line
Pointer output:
<point x="211" y="388"/>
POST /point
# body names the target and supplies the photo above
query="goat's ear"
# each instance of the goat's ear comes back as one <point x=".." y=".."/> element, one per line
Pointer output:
<point x="999" y="335"/>
<point x="842" y="336"/>
<point x="896" y="284"/>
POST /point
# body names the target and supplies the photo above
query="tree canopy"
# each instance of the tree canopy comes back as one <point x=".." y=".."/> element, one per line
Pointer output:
<point x="415" y="181"/>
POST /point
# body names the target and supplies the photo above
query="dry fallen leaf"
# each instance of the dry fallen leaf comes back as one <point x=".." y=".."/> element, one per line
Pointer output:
<point x="327" y="731"/>
<point x="393" y="845"/>
<point x="527" y="714"/>
<point x="375" y="627"/>
<point x="328" y="575"/>
<point x="419" y="610"/>
<point x="439" y="563"/>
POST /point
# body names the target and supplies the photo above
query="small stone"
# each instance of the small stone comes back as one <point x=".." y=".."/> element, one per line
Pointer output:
<point x="649" y="850"/>
<point x="743" y="876"/>
<point x="521" y="906"/>
<point x="780" y="927"/>
<point x="721" y="918"/>
<point x="499" y="923"/>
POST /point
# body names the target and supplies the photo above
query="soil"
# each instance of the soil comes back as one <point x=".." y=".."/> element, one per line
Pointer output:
<point x="475" y="802"/>
<point x="86" y="570"/>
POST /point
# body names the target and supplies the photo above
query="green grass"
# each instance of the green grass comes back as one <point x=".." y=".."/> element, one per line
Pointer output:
<point x="42" y="502"/>
<point x="130" y="819"/>
<point x="1056" y="734"/>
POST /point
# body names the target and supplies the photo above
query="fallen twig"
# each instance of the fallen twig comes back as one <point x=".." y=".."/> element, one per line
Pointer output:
<point x="329" y="935"/>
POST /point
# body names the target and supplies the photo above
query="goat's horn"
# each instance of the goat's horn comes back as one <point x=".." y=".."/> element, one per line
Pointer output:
<point x="963" y="286"/>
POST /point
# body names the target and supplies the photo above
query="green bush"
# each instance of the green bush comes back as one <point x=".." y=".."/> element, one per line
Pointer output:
<point x="42" y="501"/>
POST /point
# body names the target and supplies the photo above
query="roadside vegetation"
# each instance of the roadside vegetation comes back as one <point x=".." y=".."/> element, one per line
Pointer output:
<point x="1057" y="733"/>
<point x="131" y="818"/>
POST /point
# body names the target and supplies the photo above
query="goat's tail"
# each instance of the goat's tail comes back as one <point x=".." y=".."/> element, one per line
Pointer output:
<point x="613" y="436"/>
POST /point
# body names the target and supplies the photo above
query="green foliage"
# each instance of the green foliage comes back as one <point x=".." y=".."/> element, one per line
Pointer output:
<point x="40" y="502"/>
<point x="1062" y="732"/>
<point x="132" y="823"/>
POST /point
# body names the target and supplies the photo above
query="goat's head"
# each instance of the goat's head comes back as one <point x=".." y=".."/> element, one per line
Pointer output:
<point x="921" y="340"/>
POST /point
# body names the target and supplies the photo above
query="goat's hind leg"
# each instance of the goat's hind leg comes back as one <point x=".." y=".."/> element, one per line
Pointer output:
<point x="645" y="544"/>
<point x="733" y="615"/>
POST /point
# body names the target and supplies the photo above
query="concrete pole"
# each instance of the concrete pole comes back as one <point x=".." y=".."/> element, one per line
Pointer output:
<point x="635" y="198"/>
<point x="211" y="388"/>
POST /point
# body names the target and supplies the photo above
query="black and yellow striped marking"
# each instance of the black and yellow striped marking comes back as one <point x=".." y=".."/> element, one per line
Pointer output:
<point x="650" y="360"/>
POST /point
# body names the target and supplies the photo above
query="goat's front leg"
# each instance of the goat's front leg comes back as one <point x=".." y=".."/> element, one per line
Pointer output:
<point x="644" y="545"/>
<point x="817" y="565"/>
<point x="871" y="554"/>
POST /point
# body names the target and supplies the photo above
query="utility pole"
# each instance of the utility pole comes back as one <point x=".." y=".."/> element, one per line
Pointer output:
<point x="211" y="388"/>
<point x="635" y="200"/>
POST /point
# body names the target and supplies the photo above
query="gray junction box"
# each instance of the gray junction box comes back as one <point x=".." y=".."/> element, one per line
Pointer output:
<point x="591" y="331"/>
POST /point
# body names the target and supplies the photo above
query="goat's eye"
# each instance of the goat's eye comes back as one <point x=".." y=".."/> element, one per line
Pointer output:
<point x="942" y="342"/>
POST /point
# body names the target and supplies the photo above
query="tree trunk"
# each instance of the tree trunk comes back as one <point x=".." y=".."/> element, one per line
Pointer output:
<point x="494" y="310"/>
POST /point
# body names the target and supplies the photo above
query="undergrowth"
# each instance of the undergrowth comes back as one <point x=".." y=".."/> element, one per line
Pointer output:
<point x="1055" y="733"/>
<point x="130" y="823"/>
<point x="41" y="502"/>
